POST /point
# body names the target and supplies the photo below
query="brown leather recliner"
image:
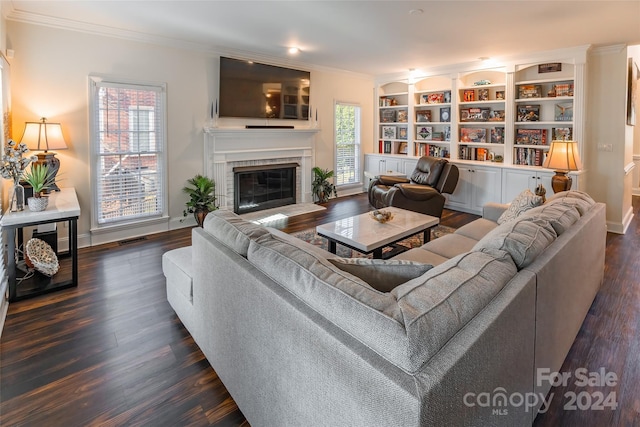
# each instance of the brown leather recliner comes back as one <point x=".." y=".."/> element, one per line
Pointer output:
<point x="422" y="192"/>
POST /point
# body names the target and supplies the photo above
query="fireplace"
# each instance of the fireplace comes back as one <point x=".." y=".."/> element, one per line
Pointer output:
<point x="264" y="187"/>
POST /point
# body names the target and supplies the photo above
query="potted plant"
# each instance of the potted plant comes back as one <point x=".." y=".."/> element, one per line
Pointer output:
<point x="202" y="198"/>
<point x="40" y="178"/>
<point x="321" y="187"/>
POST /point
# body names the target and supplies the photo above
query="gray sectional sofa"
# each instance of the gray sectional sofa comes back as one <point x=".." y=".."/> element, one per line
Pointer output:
<point x="300" y="338"/>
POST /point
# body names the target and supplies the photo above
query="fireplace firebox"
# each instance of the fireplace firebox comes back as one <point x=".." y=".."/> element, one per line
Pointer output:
<point x="264" y="187"/>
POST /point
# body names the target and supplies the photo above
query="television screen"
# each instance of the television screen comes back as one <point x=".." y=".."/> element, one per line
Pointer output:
<point x="249" y="89"/>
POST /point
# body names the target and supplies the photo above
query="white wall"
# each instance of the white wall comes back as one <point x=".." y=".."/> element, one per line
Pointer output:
<point x="49" y="79"/>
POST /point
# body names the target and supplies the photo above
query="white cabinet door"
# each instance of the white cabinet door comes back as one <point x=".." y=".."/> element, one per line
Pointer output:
<point x="487" y="183"/>
<point x="409" y="166"/>
<point x="477" y="186"/>
<point x="515" y="181"/>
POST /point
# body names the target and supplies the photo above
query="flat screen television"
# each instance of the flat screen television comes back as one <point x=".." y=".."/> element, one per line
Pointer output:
<point x="252" y="90"/>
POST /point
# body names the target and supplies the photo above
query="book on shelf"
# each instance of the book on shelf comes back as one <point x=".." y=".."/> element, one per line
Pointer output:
<point x="474" y="153"/>
<point x="402" y="133"/>
<point x="387" y="147"/>
<point x="496" y="116"/>
<point x="424" y="132"/>
<point x="387" y="116"/>
<point x="403" y="148"/>
<point x="432" y="98"/>
<point x="531" y="137"/>
<point x="380" y="146"/>
<point x="529" y="91"/>
<point x="389" y="132"/>
<point x="437" y="136"/>
<point x="447" y="96"/>
<point x="564" y="112"/>
<point x="447" y="133"/>
<point x="445" y="114"/>
<point x="423" y="116"/>
<point x="469" y="95"/>
<point x="473" y="135"/>
<point x="423" y="149"/>
<point x="529" y="156"/>
<point x="562" y="134"/>
<point x="474" y="114"/>
<point x="497" y="135"/>
<point x="563" y="89"/>
<point x="402" y="116"/>
<point x="528" y="113"/>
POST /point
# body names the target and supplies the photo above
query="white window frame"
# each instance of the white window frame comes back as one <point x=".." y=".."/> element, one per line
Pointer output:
<point x="357" y="144"/>
<point x="118" y="229"/>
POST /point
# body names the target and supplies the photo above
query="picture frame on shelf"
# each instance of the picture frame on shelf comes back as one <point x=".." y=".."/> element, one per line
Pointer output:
<point x="403" y="148"/>
<point x="402" y="133"/>
<point x="447" y="133"/>
<point x="469" y="95"/>
<point x="387" y="116"/>
<point x="529" y="91"/>
<point x="445" y="114"/>
<point x="497" y="135"/>
<point x="402" y="116"/>
<point x="423" y="116"/>
<point x="499" y="94"/>
<point x="478" y="135"/>
<point x="564" y="112"/>
<point x="389" y="132"/>
<point x="435" y="98"/>
<point x="562" y="89"/>
<point x="474" y="114"/>
<point x="496" y="116"/>
<point x="483" y="94"/>
<point x="551" y="67"/>
<point x="528" y="113"/>
<point x="447" y="96"/>
<point x="562" y="134"/>
<point x="424" y="133"/>
<point x="437" y="136"/>
<point x="531" y="137"/>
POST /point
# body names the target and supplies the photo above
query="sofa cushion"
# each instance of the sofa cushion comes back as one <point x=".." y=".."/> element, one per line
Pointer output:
<point x="422" y="255"/>
<point x="561" y="216"/>
<point x="176" y="266"/>
<point x="383" y="275"/>
<point x="450" y="245"/>
<point x="523" y="238"/>
<point x="232" y="230"/>
<point x="522" y="203"/>
<point x="439" y="303"/>
<point x="580" y="200"/>
<point x="477" y="229"/>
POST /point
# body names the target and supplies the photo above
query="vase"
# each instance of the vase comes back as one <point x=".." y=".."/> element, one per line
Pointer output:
<point x="38" y="204"/>
<point x="17" y="198"/>
<point x="200" y="215"/>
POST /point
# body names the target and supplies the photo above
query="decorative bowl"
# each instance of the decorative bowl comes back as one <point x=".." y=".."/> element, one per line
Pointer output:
<point x="381" y="216"/>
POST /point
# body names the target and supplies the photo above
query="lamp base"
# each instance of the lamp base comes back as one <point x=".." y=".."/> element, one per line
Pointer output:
<point x="561" y="182"/>
<point x="49" y="159"/>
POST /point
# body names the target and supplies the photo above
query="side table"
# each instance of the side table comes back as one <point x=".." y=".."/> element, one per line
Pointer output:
<point x="63" y="206"/>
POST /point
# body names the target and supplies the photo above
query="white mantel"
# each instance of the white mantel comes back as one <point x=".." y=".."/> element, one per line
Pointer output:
<point x="225" y="148"/>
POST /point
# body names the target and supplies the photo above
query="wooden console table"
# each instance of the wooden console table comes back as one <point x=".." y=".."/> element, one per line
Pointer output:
<point x="63" y="206"/>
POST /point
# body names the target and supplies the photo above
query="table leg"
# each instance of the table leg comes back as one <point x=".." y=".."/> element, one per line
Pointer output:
<point x="73" y="247"/>
<point x="377" y="253"/>
<point x="333" y="247"/>
<point x="427" y="235"/>
<point x="11" y="262"/>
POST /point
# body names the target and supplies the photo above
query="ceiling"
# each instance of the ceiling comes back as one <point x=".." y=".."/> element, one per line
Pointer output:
<point x="370" y="37"/>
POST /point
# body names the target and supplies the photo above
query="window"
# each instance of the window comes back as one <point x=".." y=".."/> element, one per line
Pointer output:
<point x="128" y="151"/>
<point x="347" y="122"/>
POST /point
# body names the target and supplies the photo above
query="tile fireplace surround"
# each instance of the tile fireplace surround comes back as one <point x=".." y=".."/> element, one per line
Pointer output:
<point x="226" y="148"/>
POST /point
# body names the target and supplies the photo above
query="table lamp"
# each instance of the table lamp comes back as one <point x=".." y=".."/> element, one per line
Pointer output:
<point x="43" y="136"/>
<point x="563" y="157"/>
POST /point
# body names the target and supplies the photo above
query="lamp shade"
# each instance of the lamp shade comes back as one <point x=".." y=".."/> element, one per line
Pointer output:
<point x="43" y="136"/>
<point x="563" y="156"/>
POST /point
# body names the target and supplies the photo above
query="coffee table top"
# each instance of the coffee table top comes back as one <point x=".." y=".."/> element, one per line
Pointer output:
<point x="366" y="234"/>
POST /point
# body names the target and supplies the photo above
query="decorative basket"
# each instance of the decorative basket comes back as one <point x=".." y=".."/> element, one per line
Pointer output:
<point x="39" y="254"/>
<point x="381" y="216"/>
<point x="38" y="204"/>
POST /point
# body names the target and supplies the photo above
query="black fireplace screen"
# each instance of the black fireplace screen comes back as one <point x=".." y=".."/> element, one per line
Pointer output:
<point x="264" y="187"/>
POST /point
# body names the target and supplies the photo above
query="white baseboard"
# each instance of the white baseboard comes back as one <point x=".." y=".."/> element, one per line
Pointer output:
<point x="621" y="228"/>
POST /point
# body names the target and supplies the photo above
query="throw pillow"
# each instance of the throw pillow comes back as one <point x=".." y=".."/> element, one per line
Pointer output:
<point x="383" y="275"/>
<point x="522" y="203"/>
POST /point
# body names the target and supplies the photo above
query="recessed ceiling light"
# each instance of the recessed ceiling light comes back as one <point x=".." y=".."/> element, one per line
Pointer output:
<point x="416" y="12"/>
<point x="293" y="50"/>
<point x="484" y="58"/>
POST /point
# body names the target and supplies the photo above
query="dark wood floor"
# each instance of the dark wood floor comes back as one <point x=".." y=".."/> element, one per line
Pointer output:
<point x="112" y="352"/>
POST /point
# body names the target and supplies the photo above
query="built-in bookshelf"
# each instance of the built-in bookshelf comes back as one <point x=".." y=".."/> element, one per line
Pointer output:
<point x="432" y="114"/>
<point x="393" y="118"/>
<point x="481" y="116"/>
<point x="544" y="110"/>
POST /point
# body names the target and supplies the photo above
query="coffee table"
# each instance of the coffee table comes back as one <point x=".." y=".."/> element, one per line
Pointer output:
<point x="366" y="235"/>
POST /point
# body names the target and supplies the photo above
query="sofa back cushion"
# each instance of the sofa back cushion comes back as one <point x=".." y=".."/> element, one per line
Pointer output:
<point x="406" y="326"/>
<point x="232" y="230"/>
<point x="523" y="238"/>
<point x="579" y="199"/>
<point x="560" y="215"/>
